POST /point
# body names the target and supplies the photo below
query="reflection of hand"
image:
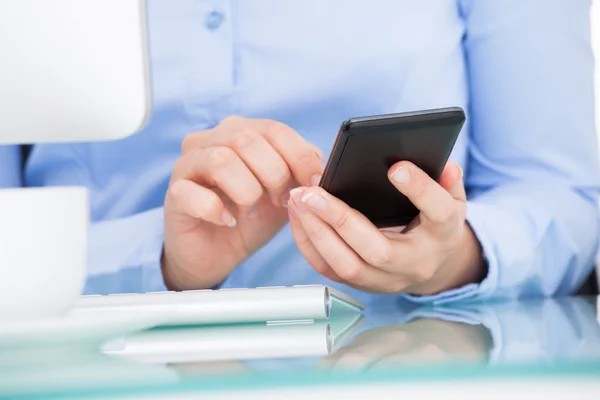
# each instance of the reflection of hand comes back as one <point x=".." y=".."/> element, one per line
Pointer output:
<point x="425" y="341"/>
<point x="227" y="197"/>
<point x="436" y="252"/>
<point x="196" y="369"/>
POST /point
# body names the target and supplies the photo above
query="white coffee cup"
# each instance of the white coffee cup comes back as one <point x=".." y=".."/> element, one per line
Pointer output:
<point x="43" y="251"/>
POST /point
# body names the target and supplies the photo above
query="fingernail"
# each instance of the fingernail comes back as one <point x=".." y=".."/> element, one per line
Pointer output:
<point x="296" y="195"/>
<point x="285" y="198"/>
<point x="315" y="180"/>
<point x="314" y="201"/>
<point x="228" y="219"/>
<point x="460" y="170"/>
<point x="401" y="175"/>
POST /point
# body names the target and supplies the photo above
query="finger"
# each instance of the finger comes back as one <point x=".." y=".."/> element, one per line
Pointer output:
<point x="355" y="229"/>
<point x="425" y="354"/>
<point x="438" y="207"/>
<point x="194" y="141"/>
<point x="307" y="249"/>
<point x="363" y="357"/>
<point x="261" y="158"/>
<point x="342" y="259"/>
<point x="356" y="360"/>
<point x="452" y="180"/>
<point x="189" y="198"/>
<point x="304" y="160"/>
<point x="222" y="168"/>
<point x="458" y="191"/>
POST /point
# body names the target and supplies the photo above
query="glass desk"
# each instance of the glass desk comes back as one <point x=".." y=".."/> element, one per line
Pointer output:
<point x="544" y="347"/>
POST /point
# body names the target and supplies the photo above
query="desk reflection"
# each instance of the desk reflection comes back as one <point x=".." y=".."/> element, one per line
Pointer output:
<point x="529" y="331"/>
<point x="229" y="348"/>
<point x="422" y="341"/>
<point x="532" y="332"/>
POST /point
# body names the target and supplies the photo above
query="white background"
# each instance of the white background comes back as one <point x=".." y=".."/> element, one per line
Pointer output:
<point x="596" y="39"/>
<point x="596" y="35"/>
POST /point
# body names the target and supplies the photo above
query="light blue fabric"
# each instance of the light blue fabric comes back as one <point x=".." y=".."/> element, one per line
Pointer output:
<point x="522" y="69"/>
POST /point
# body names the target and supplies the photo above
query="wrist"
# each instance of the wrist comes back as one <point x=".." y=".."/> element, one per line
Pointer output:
<point x="466" y="264"/>
<point x="167" y="268"/>
<point x="175" y="277"/>
<point x="462" y="266"/>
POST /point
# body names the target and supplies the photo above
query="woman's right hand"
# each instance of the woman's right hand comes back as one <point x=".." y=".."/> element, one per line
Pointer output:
<point x="227" y="197"/>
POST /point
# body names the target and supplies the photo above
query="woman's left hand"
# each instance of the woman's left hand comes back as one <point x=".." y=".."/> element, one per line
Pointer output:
<point x="437" y="251"/>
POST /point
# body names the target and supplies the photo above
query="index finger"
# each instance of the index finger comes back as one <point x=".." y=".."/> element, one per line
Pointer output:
<point x="304" y="159"/>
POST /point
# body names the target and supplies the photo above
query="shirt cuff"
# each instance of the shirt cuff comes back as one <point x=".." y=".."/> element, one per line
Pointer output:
<point x="151" y="264"/>
<point x="125" y="254"/>
<point x="481" y="217"/>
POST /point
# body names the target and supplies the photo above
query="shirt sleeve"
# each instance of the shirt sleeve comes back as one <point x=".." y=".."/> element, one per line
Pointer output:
<point x="125" y="254"/>
<point x="532" y="174"/>
<point x="10" y="166"/>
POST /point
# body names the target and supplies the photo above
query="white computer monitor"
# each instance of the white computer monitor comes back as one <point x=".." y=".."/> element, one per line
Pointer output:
<point x="596" y="44"/>
<point x="72" y="70"/>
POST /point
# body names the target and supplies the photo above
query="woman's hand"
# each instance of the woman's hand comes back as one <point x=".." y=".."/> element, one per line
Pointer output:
<point x="436" y="252"/>
<point x="227" y="197"/>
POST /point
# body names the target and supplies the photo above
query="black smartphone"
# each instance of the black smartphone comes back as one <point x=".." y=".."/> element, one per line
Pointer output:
<point x="366" y="148"/>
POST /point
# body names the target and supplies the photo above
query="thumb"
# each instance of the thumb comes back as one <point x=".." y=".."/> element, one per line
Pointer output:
<point x="452" y="180"/>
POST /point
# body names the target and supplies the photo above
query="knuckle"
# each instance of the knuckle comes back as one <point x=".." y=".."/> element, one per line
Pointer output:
<point x="232" y="120"/>
<point x="191" y="141"/>
<point x="277" y="128"/>
<point x="316" y="234"/>
<point x="173" y="193"/>
<point x="218" y="157"/>
<point x="184" y="166"/>
<point x="303" y="240"/>
<point x="250" y="196"/>
<point x="319" y="153"/>
<point x="187" y="143"/>
<point x="210" y="206"/>
<point x="446" y="214"/>
<point x="341" y="221"/>
<point x="351" y="272"/>
<point x="421" y="188"/>
<point x="381" y="255"/>
<point x="244" y="138"/>
<point x="177" y="170"/>
<point x="278" y="178"/>
<point x="423" y="273"/>
<point x="255" y="196"/>
<point x="321" y="267"/>
<point x="305" y="156"/>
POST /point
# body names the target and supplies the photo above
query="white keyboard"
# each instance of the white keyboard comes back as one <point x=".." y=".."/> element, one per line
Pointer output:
<point x="225" y="306"/>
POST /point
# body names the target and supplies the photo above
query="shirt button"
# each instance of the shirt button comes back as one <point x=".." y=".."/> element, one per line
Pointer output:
<point x="214" y="20"/>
